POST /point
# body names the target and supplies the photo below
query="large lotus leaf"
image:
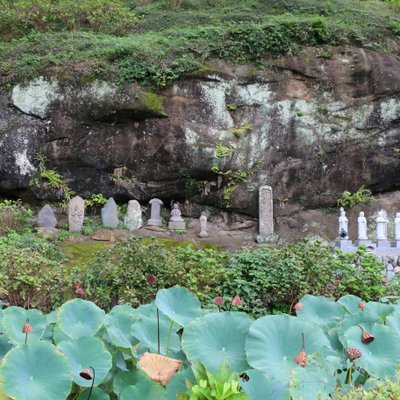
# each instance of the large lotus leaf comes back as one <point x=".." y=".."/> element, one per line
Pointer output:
<point x="260" y="386"/>
<point x="125" y="379"/>
<point x="311" y="383"/>
<point x="178" y="304"/>
<point x="178" y="383"/>
<point x="5" y="346"/>
<point x="52" y="317"/>
<point x="350" y="303"/>
<point x="36" y="371"/>
<point x="59" y="335"/>
<point x="97" y="394"/>
<point x="393" y="320"/>
<point x="14" y="320"/>
<point x="380" y="357"/>
<point x="274" y="342"/>
<point x="144" y="390"/>
<point x="382" y="310"/>
<point x="78" y="318"/>
<point x="365" y="318"/>
<point x="124" y="308"/>
<point x="118" y="326"/>
<point x="215" y="338"/>
<point x="322" y="311"/>
<point x="145" y="330"/>
<point x="87" y="352"/>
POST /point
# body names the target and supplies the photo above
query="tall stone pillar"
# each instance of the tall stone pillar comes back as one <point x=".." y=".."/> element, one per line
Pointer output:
<point x="266" y="216"/>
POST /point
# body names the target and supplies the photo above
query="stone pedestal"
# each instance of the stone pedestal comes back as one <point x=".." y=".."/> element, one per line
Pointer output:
<point x="344" y="244"/>
<point x="362" y="242"/>
<point x="177" y="225"/>
<point x="383" y="243"/>
<point x="397" y="243"/>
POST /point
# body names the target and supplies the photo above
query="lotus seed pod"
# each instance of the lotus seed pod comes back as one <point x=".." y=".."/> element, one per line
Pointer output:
<point x="236" y="301"/>
<point x="298" y="306"/>
<point x="86" y="374"/>
<point x="367" y="337"/>
<point x="353" y="353"/>
<point x="361" y="305"/>
<point x="219" y="301"/>
<point x="301" y="358"/>
<point x="27" y="328"/>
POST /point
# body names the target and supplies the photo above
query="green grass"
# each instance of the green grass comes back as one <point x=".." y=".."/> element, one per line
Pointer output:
<point x="159" y="45"/>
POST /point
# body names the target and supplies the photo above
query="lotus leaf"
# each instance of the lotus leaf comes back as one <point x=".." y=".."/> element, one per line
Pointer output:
<point x="215" y="338"/>
<point x="274" y="342"/>
<point x="97" y="394"/>
<point x="350" y="303"/>
<point x="382" y="310"/>
<point x="125" y="308"/>
<point x="380" y="357"/>
<point x="322" y="311"/>
<point x="366" y="318"/>
<point x="15" y="318"/>
<point x="144" y="390"/>
<point x="260" y="386"/>
<point x="118" y="326"/>
<point x="178" y="304"/>
<point x="5" y="346"/>
<point x="178" y="383"/>
<point x="125" y="379"/>
<point x="87" y="352"/>
<point x="36" y="371"/>
<point x="78" y="318"/>
<point x="393" y="320"/>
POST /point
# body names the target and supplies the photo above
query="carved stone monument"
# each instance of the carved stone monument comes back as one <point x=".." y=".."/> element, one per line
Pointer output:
<point x="155" y="216"/>
<point x="203" y="226"/>
<point x="343" y="225"/>
<point x="176" y="222"/>
<point x="46" y="219"/>
<point x="133" y="218"/>
<point x="397" y="229"/>
<point x="362" y="229"/>
<point x="266" y="215"/>
<point x="109" y="214"/>
<point x="381" y="229"/>
<point x="76" y="213"/>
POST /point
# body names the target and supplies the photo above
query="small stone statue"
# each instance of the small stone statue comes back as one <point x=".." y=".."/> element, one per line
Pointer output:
<point x="381" y="226"/>
<point x="176" y="222"/>
<point x="397" y="227"/>
<point x="343" y="225"/>
<point x="203" y="226"/>
<point x="133" y="218"/>
<point x="155" y="217"/>
<point x="76" y="213"/>
<point x="362" y="227"/>
<point x="46" y="219"/>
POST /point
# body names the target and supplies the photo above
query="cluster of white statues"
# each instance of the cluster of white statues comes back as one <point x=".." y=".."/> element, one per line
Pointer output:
<point x="381" y="227"/>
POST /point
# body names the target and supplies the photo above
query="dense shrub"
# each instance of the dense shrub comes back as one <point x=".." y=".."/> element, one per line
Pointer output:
<point x="119" y="274"/>
<point x="13" y="215"/>
<point x="31" y="272"/>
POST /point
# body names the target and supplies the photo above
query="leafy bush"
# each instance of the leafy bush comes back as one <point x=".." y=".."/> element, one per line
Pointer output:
<point x="13" y="215"/>
<point x="119" y="274"/>
<point x="351" y="200"/>
<point x="31" y="272"/>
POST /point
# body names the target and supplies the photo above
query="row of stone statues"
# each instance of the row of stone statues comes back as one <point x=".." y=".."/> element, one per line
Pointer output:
<point x="381" y="228"/>
<point x="109" y="216"/>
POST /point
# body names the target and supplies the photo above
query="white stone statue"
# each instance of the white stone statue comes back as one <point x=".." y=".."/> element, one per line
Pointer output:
<point x="397" y="227"/>
<point x="203" y="226"/>
<point x="381" y="226"/>
<point x="343" y="225"/>
<point x="362" y="227"/>
<point x="176" y="215"/>
<point x="133" y="218"/>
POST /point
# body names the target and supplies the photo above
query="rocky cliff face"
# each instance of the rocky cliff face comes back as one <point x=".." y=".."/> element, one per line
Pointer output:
<point x="310" y="126"/>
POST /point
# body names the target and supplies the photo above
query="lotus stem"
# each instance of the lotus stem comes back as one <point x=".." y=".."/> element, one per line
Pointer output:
<point x="349" y="375"/>
<point x="303" y="339"/>
<point x="91" y="387"/>
<point x="158" y="331"/>
<point x="169" y="338"/>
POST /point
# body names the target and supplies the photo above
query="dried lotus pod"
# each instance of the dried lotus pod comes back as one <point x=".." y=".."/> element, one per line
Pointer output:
<point x="353" y="353"/>
<point x="298" y="306"/>
<point x="301" y="358"/>
<point x="159" y="368"/>
<point x="361" y="305"/>
<point x="367" y="337"/>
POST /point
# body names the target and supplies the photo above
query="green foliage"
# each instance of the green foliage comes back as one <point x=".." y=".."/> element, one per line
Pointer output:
<point x="241" y="130"/>
<point x="96" y="200"/>
<point x="13" y="215"/>
<point x="31" y="272"/>
<point x="119" y="274"/>
<point x="223" y="385"/>
<point x="222" y="151"/>
<point x="350" y="200"/>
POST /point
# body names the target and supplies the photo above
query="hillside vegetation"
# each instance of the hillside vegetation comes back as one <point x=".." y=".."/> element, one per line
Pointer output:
<point x="156" y="42"/>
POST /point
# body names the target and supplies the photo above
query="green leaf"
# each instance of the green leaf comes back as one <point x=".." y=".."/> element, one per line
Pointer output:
<point x="178" y="383"/>
<point x="274" y="342"/>
<point x="350" y="303"/>
<point x="380" y="357"/>
<point x="87" y="352"/>
<point x="144" y="390"/>
<point x="260" y="386"/>
<point x="178" y="304"/>
<point x="215" y="338"/>
<point x="36" y="371"/>
<point x="15" y="318"/>
<point x="97" y="394"/>
<point x="78" y="318"/>
<point x="322" y="311"/>
<point x="125" y="379"/>
<point x="118" y="326"/>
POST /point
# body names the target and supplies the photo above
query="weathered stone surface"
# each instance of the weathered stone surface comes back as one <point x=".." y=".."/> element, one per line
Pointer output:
<point x="109" y="214"/>
<point x="308" y="126"/>
<point x="133" y="218"/>
<point x="76" y="213"/>
<point x="46" y="218"/>
<point x="155" y="217"/>
<point x="104" y="236"/>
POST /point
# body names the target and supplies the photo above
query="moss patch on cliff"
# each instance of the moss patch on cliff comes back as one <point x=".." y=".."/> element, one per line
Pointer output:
<point x="154" y="102"/>
<point x="167" y="39"/>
